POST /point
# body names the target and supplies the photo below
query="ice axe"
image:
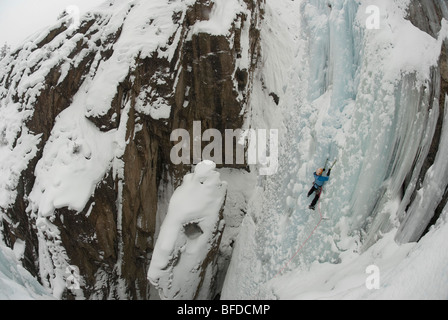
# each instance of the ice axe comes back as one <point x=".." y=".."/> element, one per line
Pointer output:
<point x="335" y="161"/>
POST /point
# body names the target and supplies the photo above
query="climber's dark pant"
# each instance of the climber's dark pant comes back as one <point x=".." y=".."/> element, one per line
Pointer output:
<point x="318" y="191"/>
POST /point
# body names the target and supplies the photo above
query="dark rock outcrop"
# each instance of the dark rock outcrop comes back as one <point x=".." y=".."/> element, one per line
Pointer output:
<point x="112" y="239"/>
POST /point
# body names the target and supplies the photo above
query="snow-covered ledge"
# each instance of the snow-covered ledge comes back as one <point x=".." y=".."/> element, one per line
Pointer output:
<point x="183" y="264"/>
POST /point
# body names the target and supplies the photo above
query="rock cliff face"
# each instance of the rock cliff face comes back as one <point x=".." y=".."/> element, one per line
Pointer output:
<point x="104" y="98"/>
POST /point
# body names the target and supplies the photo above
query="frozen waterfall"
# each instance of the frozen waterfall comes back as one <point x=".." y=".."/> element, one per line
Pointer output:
<point x="369" y="97"/>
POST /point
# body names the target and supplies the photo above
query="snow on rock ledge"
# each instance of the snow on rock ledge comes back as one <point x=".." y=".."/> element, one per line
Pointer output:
<point x="184" y="259"/>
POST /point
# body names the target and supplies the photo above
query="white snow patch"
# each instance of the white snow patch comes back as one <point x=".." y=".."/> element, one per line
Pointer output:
<point x="190" y="230"/>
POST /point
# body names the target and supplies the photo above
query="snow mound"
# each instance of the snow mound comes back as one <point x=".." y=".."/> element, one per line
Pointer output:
<point x="184" y="258"/>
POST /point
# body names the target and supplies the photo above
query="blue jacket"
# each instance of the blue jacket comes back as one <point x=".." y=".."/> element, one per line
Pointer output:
<point x="319" y="181"/>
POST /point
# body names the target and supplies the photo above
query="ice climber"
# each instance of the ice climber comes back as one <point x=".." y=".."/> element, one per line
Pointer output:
<point x="319" y="181"/>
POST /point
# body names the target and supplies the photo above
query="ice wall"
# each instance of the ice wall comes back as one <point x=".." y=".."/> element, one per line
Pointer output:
<point x="16" y="283"/>
<point x="366" y="96"/>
